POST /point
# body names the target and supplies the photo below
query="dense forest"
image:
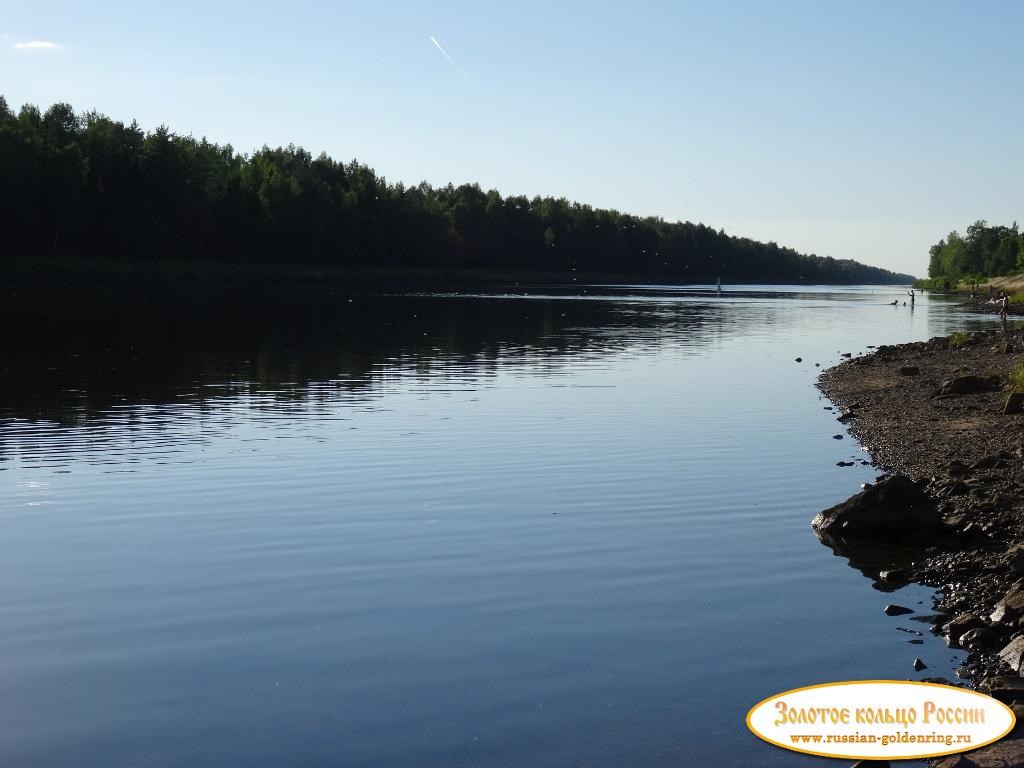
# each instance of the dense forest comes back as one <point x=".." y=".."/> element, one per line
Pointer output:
<point x="86" y="186"/>
<point x="983" y="252"/>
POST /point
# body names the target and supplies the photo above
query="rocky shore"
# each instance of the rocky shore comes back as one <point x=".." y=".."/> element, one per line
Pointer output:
<point x="949" y="512"/>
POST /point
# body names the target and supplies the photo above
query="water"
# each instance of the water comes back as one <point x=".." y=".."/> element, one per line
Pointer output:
<point x="302" y="528"/>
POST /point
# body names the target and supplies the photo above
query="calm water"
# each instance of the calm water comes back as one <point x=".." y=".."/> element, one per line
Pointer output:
<point x="312" y="529"/>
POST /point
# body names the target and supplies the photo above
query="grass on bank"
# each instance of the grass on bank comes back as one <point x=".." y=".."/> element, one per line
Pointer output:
<point x="1017" y="377"/>
<point x="1012" y="284"/>
<point x="959" y="339"/>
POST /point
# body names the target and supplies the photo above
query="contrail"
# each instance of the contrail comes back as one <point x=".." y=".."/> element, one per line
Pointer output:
<point x="450" y="59"/>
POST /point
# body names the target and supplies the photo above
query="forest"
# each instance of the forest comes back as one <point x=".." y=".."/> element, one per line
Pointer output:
<point x="984" y="251"/>
<point x="85" y="186"/>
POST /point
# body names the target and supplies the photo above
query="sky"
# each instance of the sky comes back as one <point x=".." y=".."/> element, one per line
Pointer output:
<point x="864" y="130"/>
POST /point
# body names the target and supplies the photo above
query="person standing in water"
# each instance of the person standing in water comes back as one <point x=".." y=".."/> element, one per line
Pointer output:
<point x="911" y="292"/>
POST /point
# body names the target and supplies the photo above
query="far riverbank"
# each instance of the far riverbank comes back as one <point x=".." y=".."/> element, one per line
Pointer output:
<point x="106" y="272"/>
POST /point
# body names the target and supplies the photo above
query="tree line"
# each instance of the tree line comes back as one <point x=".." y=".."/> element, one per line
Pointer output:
<point x="984" y="251"/>
<point x="79" y="186"/>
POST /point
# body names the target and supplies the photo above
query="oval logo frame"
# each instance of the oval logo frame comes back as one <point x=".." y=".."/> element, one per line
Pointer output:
<point x="880" y="719"/>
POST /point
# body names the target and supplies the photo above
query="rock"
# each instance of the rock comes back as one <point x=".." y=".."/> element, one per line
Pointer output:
<point x="1008" y="753"/>
<point x="1003" y="501"/>
<point x="871" y="764"/>
<point x="978" y="639"/>
<point x="955" y="523"/>
<point x="893" y="576"/>
<point x="986" y="462"/>
<point x="897" y="610"/>
<point x="1010" y="608"/>
<point x="847" y="354"/>
<point x="958" y="489"/>
<point x="909" y="370"/>
<point x="799" y="360"/>
<point x="1007" y="689"/>
<point x="1014" y="403"/>
<point x="892" y="506"/>
<point x="955" y="628"/>
<point x="837" y="437"/>
<point x="1015" y="559"/>
<point x="956" y="469"/>
<point x="916" y="641"/>
<point x="968" y="385"/>
<point x="919" y="665"/>
<point x="1013" y="654"/>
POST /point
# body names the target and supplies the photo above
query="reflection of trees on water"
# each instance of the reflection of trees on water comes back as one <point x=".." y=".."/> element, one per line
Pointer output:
<point x="76" y="358"/>
<point x="72" y="358"/>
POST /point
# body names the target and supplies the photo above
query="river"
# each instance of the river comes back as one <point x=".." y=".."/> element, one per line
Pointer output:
<point x="298" y="527"/>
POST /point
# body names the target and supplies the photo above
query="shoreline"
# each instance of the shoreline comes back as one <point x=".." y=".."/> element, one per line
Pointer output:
<point x="933" y="412"/>
<point x="120" y="272"/>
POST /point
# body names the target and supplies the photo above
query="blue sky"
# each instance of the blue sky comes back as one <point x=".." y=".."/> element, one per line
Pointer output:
<point x="862" y="130"/>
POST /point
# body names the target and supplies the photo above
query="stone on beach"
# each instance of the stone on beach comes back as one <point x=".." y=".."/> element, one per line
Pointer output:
<point x="1014" y="403"/>
<point x="1008" y="753"/>
<point x="955" y="628"/>
<point x="1011" y="607"/>
<point x="895" y="505"/>
<point x="978" y="639"/>
<point x="968" y="385"/>
<point x="1005" y="688"/>
<point x="1013" y="654"/>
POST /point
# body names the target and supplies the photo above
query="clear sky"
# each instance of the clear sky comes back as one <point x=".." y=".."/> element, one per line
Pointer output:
<point x="863" y="130"/>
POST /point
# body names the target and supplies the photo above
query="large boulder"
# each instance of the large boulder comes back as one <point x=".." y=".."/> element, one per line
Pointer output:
<point x="889" y="509"/>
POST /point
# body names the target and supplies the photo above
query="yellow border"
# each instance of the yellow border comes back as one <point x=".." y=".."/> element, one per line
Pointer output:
<point x="971" y="747"/>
